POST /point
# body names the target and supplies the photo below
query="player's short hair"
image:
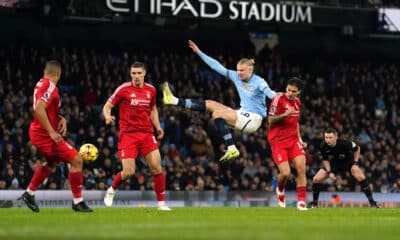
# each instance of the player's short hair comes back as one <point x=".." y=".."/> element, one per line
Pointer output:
<point x="138" y="65"/>
<point x="247" y="61"/>
<point x="52" y="67"/>
<point x="295" y="81"/>
<point x="330" y="130"/>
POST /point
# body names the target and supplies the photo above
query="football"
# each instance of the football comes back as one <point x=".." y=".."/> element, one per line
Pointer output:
<point x="88" y="152"/>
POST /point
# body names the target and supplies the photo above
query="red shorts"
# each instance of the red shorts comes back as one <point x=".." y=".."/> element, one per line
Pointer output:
<point x="131" y="144"/>
<point x="286" y="152"/>
<point x="51" y="151"/>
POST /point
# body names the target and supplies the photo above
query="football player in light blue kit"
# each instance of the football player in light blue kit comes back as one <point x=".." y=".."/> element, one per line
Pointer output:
<point x="252" y="91"/>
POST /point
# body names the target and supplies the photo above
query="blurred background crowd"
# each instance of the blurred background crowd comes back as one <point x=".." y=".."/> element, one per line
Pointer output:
<point x="358" y="98"/>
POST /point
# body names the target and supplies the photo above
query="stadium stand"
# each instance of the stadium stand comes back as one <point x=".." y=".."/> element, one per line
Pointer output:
<point x="360" y="99"/>
<point x="351" y="85"/>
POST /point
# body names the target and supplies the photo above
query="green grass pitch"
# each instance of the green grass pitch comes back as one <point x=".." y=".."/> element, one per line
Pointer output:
<point x="201" y="223"/>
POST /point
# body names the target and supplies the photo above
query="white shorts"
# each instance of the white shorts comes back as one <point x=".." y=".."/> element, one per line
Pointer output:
<point x="247" y="122"/>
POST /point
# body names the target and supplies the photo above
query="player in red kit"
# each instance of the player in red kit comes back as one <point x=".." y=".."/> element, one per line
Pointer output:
<point x="137" y="116"/>
<point x="45" y="133"/>
<point x="285" y="140"/>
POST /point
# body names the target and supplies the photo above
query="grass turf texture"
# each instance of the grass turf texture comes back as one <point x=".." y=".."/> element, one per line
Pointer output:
<point x="201" y="223"/>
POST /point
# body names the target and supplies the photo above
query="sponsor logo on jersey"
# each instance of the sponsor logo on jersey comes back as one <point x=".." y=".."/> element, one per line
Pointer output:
<point x="134" y="102"/>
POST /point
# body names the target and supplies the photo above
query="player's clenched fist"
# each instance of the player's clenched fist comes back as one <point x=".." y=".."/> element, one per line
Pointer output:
<point x="109" y="119"/>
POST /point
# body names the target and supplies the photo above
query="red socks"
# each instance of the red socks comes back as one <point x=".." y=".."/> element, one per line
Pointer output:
<point x="158" y="182"/>
<point x="159" y="186"/>
<point x="75" y="182"/>
<point x="117" y="181"/>
<point x="301" y="193"/>
<point x="41" y="173"/>
<point x="281" y="186"/>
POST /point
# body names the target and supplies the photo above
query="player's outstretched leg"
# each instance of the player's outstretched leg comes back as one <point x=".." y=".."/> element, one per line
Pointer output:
<point x="192" y="104"/>
<point x="29" y="200"/>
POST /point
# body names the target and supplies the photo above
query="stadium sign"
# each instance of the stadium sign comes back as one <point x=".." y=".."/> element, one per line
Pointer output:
<point x="216" y="9"/>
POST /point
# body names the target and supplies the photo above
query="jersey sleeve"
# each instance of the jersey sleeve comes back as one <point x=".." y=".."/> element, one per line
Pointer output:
<point x="116" y="97"/>
<point x="214" y="64"/>
<point x="352" y="146"/>
<point x="274" y="106"/>
<point x="264" y="87"/>
<point x="233" y="76"/>
<point x="43" y="91"/>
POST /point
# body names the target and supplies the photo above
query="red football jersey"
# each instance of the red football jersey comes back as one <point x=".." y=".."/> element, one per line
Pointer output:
<point x="47" y="91"/>
<point x="134" y="106"/>
<point x="284" y="131"/>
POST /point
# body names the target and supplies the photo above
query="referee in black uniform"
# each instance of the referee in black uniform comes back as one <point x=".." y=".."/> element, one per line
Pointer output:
<point x="339" y="155"/>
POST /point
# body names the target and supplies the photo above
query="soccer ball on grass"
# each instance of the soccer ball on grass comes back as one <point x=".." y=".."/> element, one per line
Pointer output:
<point x="88" y="152"/>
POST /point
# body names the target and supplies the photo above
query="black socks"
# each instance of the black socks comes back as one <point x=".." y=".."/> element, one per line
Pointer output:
<point x="194" y="104"/>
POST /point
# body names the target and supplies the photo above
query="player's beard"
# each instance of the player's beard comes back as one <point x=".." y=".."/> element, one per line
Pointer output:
<point x="137" y="82"/>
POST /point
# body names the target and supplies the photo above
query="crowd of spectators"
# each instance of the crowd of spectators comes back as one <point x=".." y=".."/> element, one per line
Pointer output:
<point x="359" y="99"/>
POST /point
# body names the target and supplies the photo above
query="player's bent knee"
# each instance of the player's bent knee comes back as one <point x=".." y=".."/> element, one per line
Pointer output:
<point x="77" y="162"/>
<point x="156" y="170"/>
<point x="129" y="173"/>
<point x="216" y="115"/>
<point x="285" y="174"/>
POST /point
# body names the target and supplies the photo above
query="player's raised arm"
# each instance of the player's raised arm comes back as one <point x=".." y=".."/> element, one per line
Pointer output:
<point x="211" y="62"/>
